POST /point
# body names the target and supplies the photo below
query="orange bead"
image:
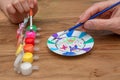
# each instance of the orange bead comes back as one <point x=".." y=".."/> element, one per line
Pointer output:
<point x="28" y="48"/>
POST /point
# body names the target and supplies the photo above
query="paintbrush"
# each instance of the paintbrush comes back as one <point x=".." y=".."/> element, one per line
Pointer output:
<point x="92" y="17"/>
<point x="31" y="19"/>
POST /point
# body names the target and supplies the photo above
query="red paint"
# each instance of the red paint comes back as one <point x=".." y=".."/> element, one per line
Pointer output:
<point x="29" y="40"/>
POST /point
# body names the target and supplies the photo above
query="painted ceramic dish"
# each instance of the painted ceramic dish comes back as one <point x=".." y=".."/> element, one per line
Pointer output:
<point x="73" y="43"/>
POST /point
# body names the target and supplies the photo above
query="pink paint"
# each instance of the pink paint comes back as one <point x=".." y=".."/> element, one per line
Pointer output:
<point x="20" y="30"/>
<point x="21" y="25"/>
<point x="31" y="34"/>
<point x="64" y="47"/>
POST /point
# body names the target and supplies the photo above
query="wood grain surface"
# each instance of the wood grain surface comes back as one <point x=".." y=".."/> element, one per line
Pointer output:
<point x="102" y="63"/>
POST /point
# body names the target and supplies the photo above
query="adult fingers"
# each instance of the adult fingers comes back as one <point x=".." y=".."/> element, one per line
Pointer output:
<point x="94" y="9"/>
<point x="99" y="24"/>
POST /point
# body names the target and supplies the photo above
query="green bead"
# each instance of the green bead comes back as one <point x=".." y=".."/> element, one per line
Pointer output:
<point x="34" y="28"/>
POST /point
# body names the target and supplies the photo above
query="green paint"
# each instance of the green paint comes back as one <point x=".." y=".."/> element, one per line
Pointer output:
<point x="50" y="42"/>
<point x="70" y="40"/>
<point x="73" y="38"/>
<point x="89" y="41"/>
<point x="33" y="28"/>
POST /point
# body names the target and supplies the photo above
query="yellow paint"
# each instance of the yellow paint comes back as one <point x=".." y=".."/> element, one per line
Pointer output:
<point x="28" y="57"/>
<point x="19" y="49"/>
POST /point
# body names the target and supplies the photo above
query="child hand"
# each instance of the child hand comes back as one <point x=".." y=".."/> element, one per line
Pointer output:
<point x="17" y="10"/>
<point x="110" y="20"/>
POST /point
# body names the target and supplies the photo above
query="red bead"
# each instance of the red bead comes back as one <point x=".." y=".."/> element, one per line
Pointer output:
<point x="28" y="48"/>
<point x="29" y="40"/>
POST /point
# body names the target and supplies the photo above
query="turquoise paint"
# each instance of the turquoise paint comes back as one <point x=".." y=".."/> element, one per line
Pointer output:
<point x="89" y="41"/>
<point x="82" y="34"/>
<point x="50" y="42"/>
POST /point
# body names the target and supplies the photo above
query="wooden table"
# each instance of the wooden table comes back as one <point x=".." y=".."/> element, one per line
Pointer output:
<point x="102" y="63"/>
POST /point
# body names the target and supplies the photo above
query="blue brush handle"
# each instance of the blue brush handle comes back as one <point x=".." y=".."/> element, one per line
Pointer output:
<point x="96" y="15"/>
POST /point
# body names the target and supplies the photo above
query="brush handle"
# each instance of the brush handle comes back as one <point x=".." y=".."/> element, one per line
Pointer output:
<point x="96" y="15"/>
<point x="31" y="15"/>
<point x="31" y="12"/>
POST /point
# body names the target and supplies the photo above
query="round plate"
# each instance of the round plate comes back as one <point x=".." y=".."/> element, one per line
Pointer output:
<point x="73" y="43"/>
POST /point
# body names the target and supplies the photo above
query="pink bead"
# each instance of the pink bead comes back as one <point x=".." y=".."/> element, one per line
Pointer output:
<point x="31" y="34"/>
<point x="20" y="30"/>
<point x="21" y="25"/>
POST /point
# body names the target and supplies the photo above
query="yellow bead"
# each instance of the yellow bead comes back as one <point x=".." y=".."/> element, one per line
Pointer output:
<point x="19" y="49"/>
<point x="28" y="57"/>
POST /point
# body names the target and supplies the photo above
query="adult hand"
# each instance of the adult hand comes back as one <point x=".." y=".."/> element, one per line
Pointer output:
<point x="110" y="20"/>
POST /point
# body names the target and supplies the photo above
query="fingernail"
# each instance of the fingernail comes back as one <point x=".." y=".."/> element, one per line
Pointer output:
<point x="31" y="5"/>
<point x="77" y="22"/>
<point x="88" y="25"/>
<point x="82" y="20"/>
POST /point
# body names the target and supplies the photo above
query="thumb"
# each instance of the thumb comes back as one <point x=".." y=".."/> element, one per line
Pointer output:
<point x="35" y="9"/>
<point x="98" y="24"/>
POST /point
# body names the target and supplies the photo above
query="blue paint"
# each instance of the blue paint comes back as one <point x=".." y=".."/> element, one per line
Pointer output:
<point x="76" y="47"/>
<point x="82" y="34"/>
<point x="69" y="54"/>
<point x="69" y="34"/>
<point x="73" y="48"/>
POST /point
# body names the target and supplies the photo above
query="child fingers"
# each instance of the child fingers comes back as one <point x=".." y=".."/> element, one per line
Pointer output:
<point x="18" y="6"/>
<point x="10" y="12"/>
<point x="35" y="9"/>
<point x="13" y="15"/>
<point x="31" y="3"/>
<point x="25" y="5"/>
<point x="11" y="9"/>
